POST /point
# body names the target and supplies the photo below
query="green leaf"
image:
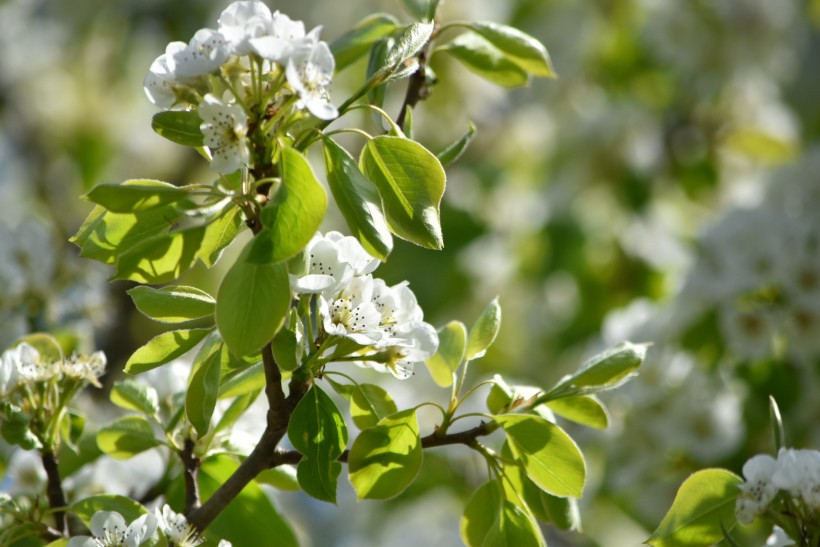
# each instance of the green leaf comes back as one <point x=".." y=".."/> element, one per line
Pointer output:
<point x="71" y="428"/>
<point x="489" y="520"/>
<point x="376" y="75"/>
<point x="385" y="459"/>
<point x="453" y="152"/>
<point x="369" y="404"/>
<point x="407" y="45"/>
<point x="292" y="219"/>
<point x="358" y="200"/>
<point x="46" y="345"/>
<point x="162" y="258"/>
<point x="179" y="126"/>
<point x="251" y="304"/>
<point x="236" y="410"/>
<point x="104" y="235"/>
<point x="519" y="47"/>
<point x="452" y="345"/>
<point x="285" y="345"/>
<point x="126" y="437"/>
<point x="125" y="506"/>
<point x="549" y="456"/>
<point x="245" y="381"/>
<point x="135" y="195"/>
<point x="411" y="183"/>
<point x="317" y="430"/>
<point x="282" y="477"/>
<point x="584" y="409"/>
<point x="173" y="304"/>
<point x="203" y="387"/>
<point x="607" y="370"/>
<point x="164" y="348"/>
<point x="424" y="10"/>
<point x="356" y="42"/>
<point x="219" y="233"/>
<point x="482" y="58"/>
<point x="704" y="503"/>
<point x="562" y="512"/>
<point x="777" y="424"/>
<point x="132" y="395"/>
<point x="250" y="517"/>
<point x="484" y="331"/>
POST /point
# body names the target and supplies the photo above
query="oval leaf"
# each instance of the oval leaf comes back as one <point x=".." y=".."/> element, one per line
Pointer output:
<point x="292" y="219"/>
<point x="163" y="349"/>
<point x="251" y="304"/>
<point x="518" y="46"/>
<point x="369" y="404"/>
<point x="358" y="200"/>
<point x="135" y="195"/>
<point x="132" y="395"/>
<point x="489" y="519"/>
<point x="385" y="459"/>
<point x="356" y="42"/>
<point x="411" y="183"/>
<point x="584" y="409"/>
<point x="203" y="387"/>
<point x="126" y="437"/>
<point x="454" y="151"/>
<point x="162" y="258"/>
<point x="179" y="126"/>
<point x="610" y="368"/>
<point x="407" y="45"/>
<point x="484" y="331"/>
<point x="174" y="304"/>
<point x="549" y="456"/>
<point x="478" y="55"/>
<point x="219" y="233"/>
<point x="128" y="508"/>
<point x="704" y="506"/>
<point x="452" y="345"/>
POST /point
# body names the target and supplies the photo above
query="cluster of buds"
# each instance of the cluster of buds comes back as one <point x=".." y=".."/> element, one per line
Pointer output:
<point x="36" y="388"/>
<point x="248" y="79"/>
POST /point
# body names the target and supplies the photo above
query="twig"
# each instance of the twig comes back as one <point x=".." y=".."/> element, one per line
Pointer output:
<point x="418" y="88"/>
<point x="191" y="474"/>
<point x="54" y="490"/>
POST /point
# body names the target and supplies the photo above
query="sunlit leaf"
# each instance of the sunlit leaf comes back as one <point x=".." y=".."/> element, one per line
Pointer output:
<point x="357" y="41"/>
<point x="518" y="46"/>
<point x="172" y="304"/>
<point x="133" y="195"/>
<point x="484" y="331"/>
<point x="219" y="233"/>
<point x="481" y="57"/>
<point x="162" y="258"/>
<point x="132" y="395"/>
<point x="203" y="387"/>
<point x="179" y="126"/>
<point x="164" y="348"/>
<point x="369" y="404"/>
<point x="126" y="437"/>
<point x="584" y="409"/>
<point x="453" y="152"/>
<point x="452" y="344"/>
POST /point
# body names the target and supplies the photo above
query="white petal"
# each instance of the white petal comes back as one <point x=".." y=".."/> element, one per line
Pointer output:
<point x="82" y="541"/>
<point x="103" y="521"/>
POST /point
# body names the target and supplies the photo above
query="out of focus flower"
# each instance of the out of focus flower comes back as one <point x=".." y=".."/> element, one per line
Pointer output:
<point x="242" y="21"/>
<point x="205" y="53"/>
<point x="84" y="368"/>
<point x="177" y="529"/>
<point x="281" y="37"/>
<point x="778" y="538"/>
<point x="758" y="490"/>
<point x="109" y="529"/>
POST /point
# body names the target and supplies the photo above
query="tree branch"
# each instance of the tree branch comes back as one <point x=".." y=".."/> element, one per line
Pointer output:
<point x="54" y="490"/>
<point x="418" y="87"/>
<point x="191" y="475"/>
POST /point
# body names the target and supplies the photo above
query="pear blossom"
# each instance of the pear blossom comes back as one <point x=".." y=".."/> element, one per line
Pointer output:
<point x="31" y="367"/>
<point x="223" y="129"/>
<point x="9" y="364"/>
<point x="205" y="53"/>
<point x="309" y="71"/>
<point x="352" y="314"/>
<point x="419" y="344"/>
<point x="758" y="490"/>
<point x="159" y="83"/>
<point x="798" y="473"/>
<point x="177" y="529"/>
<point x="110" y="530"/>
<point x="282" y="37"/>
<point x="84" y="368"/>
<point x="242" y="21"/>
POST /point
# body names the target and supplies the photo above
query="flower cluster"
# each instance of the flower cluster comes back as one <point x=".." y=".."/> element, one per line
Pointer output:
<point x="23" y="365"/>
<point x="249" y="72"/>
<point x="795" y="474"/>
<point x="386" y="323"/>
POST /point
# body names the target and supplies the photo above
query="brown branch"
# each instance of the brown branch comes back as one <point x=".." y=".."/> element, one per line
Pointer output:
<point x="418" y="86"/>
<point x="278" y="415"/>
<point x="54" y="490"/>
<point x="191" y="475"/>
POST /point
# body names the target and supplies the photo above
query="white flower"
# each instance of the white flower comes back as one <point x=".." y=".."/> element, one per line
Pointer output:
<point x="109" y="530"/>
<point x="778" y="538"/>
<point x="223" y="129"/>
<point x="177" y="529"/>
<point x="242" y="21"/>
<point x="31" y="368"/>
<point x="400" y="312"/>
<point x="418" y="345"/>
<point x="85" y="368"/>
<point x="352" y="314"/>
<point x="159" y="83"/>
<point x="205" y="53"/>
<point x="281" y="37"/>
<point x="9" y="364"/>
<point x="333" y="260"/>
<point x="798" y="473"/>
<point x="309" y="71"/>
<point x="758" y="490"/>
<point x="352" y="252"/>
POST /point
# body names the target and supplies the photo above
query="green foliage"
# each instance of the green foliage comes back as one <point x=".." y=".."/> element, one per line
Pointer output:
<point x="412" y="39"/>
<point x="172" y="304"/>
<point x="484" y="331"/>
<point x="519" y="47"/>
<point x="454" y="150"/>
<point x="164" y="348"/>
<point x="480" y="56"/>
<point x="135" y="195"/>
<point x="703" y="508"/>
<point x="317" y="430"/>
<point x="203" y="386"/>
<point x="491" y="519"/>
<point x="132" y="395"/>
<point x="385" y="459"/>
<point x="126" y="437"/>
<point x="179" y="126"/>
<point x="411" y="182"/>
<point x="128" y="508"/>
<point x="219" y="234"/>
<point x="452" y="344"/>
<point x="357" y="41"/>
<point x="369" y="404"/>
<point x="584" y="409"/>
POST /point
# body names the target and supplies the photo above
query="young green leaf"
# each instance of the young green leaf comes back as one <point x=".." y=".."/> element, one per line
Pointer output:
<point x="292" y="220"/>
<point x="357" y="41"/>
<point x="46" y="345"/>
<point x="203" y="387"/>
<point x="385" y="459"/>
<point x="583" y="409"/>
<point x="219" y="233"/>
<point x="490" y="519"/>
<point x="282" y="477"/>
<point x="245" y="381"/>
<point x="704" y="503"/>
<point x="484" y="330"/>
<point x="358" y="200"/>
<point x="375" y="75"/>
<point x="132" y="395"/>
<point x="482" y="58"/>
<point x="317" y="430"/>
<point x="407" y="45"/>
<point x="452" y="344"/>
<point x="126" y="437"/>
<point x="453" y="152"/>
<point x="549" y="456"/>
<point x="162" y="258"/>
<point x="285" y="345"/>
<point x="135" y="195"/>
<point x="179" y="126"/>
<point x="411" y="183"/>
<point x="518" y="46"/>
<point x="164" y="348"/>
<point x="251" y="304"/>
<point x="172" y="304"/>
<point x="369" y="404"/>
